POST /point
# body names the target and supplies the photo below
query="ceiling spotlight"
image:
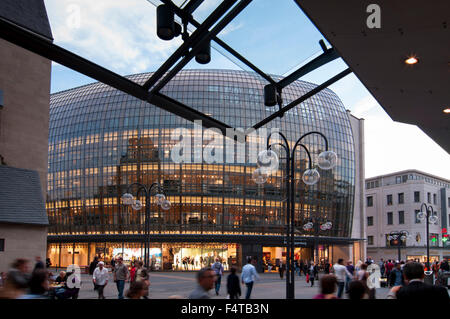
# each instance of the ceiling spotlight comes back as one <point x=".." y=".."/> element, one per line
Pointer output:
<point x="411" y="60"/>
<point x="447" y="110"/>
<point x="204" y="55"/>
<point x="166" y="27"/>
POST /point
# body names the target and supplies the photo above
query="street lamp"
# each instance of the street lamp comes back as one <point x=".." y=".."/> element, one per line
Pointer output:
<point x="160" y="199"/>
<point x="397" y="237"/>
<point x="268" y="163"/>
<point x="317" y="223"/>
<point x="431" y="217"/>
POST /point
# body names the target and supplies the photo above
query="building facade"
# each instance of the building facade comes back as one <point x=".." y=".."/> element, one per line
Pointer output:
<point x="24" y="122"/>
<point x="102" y="140"/>
<point x="392" y="204"/>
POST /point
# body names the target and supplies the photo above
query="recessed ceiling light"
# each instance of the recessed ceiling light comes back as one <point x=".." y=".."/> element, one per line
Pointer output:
<point x="411" y="60"/>
<point x="447" y="110"/>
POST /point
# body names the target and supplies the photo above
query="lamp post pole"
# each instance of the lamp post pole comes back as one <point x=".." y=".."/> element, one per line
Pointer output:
<point x="429" y="212"/>
<point x="310" y="177"/>
<point x="399" y="236"/>
<point x="137" y="205"/>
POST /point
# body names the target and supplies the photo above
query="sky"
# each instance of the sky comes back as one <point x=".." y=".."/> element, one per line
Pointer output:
<point x="274" y="35"/>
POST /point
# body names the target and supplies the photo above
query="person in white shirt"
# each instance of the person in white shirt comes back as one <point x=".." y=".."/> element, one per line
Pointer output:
<point x="341" y="273"/>
<point x="249" y="275"/>
<point x="100" y="278"/>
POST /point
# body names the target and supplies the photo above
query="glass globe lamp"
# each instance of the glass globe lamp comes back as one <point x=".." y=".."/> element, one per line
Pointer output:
<point x="327" y="160"/>
<point x="311" y="176"/>
<point x="165" y="205"/>
<point x="137" y="205"/>
<point x="433" y="219"/>
<point x="421" y="215"/>
<point x="259" y="176"/>
<point x="159" y="199"/>
<point x="268" y="161"/>
<point x="127" y="199"/>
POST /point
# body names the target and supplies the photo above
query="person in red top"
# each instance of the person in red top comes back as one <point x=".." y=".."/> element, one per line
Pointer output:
<point x="328" y="284"/>
<point x="132" y="272"/>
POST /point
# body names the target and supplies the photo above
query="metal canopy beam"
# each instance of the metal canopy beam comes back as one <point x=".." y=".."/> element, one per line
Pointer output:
<point x="43" y="47"/>
<point x="328" y="56"/>
<point x="304" y="97"/>
<point x="198" y="44"/>
<point x="182" y="14"/>
<point x="192" y="6"/>
<point x="190" y="42"/>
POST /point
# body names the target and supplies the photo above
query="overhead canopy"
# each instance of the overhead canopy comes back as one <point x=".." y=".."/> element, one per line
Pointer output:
<point x="415" y="94"/>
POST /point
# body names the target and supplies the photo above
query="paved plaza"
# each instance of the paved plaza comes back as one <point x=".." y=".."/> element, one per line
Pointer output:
<point x="166" y="284"/>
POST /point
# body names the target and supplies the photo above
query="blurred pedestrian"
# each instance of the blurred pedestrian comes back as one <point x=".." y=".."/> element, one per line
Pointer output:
<point x="249" y="275"/>
<point x="38" y="286"/>
<point x="206" y="278"/>
<point x="142" y="275"/>
<point x="396" y="278"/>
<point x="328" y="285"/>
<point x="18" y="274"/>
<point x="313" y="273"/>
<point x="281" y="269"/>
<point x="415" y="289"/>
<point x="100" y="278"/>
<point x="351" y="271"/>
<point x="341" y="273"/>
<point x="132" y="272"/>
<point x="357" y="290"/>
<point x="48" y="263"/>
<point x="93" y="265"/>
<point x="136" y="290"/>
<point x="233" y="285"/>
<point x="121" y="274"/>
<point x="39" y="264"/>
<point x="218" y="269"/>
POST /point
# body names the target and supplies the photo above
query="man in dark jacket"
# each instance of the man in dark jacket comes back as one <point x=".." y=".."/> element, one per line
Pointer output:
<point x="233" y="285"/>
<point x="416" y="289"/>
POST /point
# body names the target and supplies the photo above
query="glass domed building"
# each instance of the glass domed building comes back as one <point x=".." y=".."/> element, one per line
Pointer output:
<point x="102" y="140"/>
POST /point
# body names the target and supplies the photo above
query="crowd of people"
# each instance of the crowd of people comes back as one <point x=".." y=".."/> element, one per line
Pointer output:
<point x="405" y="279"/>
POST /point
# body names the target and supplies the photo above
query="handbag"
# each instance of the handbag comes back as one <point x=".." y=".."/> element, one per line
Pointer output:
<point x="307" y="278"/>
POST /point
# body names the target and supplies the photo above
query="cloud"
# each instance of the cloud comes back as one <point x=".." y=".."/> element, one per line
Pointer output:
<point x="119" y="35"/>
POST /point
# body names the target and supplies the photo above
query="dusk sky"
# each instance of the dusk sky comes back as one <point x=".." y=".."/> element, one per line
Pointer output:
<point x="274" y="35"/>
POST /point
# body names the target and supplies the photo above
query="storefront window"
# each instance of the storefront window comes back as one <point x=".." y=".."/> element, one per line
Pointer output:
<point x="194" y="256"/>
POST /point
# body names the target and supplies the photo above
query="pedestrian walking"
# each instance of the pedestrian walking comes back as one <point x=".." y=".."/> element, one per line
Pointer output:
<point x="205" y="282"/>
<point x="341" y="273"/>
<point x="93" y="265"/>
<point x="281" y="269"/>
<point x="249" y="275"/>
<point x="121" y="274"/>
<point x="132" y="272"/>
<point x="328" y="285"/>
<point x="302" y="268"/>
<point x="218" y="269"/>
<point x="48" y="263"/>
<point x="396" y="276"/>
<point x="351" y="271"/>
<point x="100" y="278"/>
<point x="233" y="285"/>
<point x="143" y="275"/>
<point x="136" y="291"/>
<point x="313" y="273"/>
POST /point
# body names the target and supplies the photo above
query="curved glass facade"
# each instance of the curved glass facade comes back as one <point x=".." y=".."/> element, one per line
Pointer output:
<point x="102" y="140"/>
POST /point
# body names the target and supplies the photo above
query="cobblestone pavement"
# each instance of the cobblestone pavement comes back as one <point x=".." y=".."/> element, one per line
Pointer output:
<point x="165" y="284"/>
